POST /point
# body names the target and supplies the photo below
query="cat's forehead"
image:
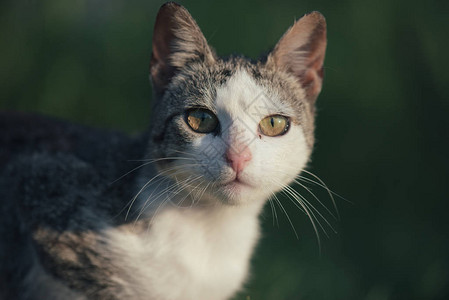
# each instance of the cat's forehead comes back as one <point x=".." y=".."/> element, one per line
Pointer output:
<point x="241" y="93"/>
<point x="231" y="82"/>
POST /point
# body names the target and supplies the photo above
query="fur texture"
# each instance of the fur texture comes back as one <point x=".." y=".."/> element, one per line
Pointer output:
<point x="75" y="224"/>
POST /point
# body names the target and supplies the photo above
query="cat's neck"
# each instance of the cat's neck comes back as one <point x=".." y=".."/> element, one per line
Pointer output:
<point x="197" y="240"/>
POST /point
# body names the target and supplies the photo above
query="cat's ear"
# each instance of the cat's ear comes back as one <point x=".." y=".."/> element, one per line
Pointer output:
<point x="301" y="51"/>
<point x="177" y="41"/>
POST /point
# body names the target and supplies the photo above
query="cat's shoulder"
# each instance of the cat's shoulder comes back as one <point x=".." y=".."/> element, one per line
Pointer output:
<point x="28" y="133"/>
<point x="54" y="171"/>
<point x="50" y="189"/>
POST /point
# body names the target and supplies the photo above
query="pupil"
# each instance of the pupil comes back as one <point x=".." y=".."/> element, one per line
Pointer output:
<point x="272" y="122"/>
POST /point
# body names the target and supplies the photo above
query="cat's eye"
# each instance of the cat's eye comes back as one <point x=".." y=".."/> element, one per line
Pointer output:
<point x="274" y="125"/>
<point x="201" y="120"/>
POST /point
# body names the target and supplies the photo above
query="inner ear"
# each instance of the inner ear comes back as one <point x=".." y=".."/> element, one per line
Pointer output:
<point x="301" y="52"/>
<point x="177" y="41"/>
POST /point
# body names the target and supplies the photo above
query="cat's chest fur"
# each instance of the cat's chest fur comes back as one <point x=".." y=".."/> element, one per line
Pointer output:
<point x="200" y="253"/>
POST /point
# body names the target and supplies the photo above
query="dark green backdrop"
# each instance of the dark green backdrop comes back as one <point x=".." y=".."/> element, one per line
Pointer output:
<point x="382" y="138"/>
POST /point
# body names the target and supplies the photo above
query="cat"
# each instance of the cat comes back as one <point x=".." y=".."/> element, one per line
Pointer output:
<point x="225" y="135"/>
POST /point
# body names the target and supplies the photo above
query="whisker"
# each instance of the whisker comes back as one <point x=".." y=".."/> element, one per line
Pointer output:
<point x="180" y="186"/>
<point x="129" y="172"/>
<point x="330" y="192"/>
<point x="130" y="202"/>
<point x="273" y="208"/>
<point x="309" y="215"/>
<point x="176" y="184"/>
<point x="337" y="216"/>
<point x="316" y="198"/>
<point x="182" y="152"/>
<point x="200" y="196"/>
<point x="287" y="191"/>
<point x="147" y="162"/>
<point x="273" y="211"/>
<point x="168" y="198"/>
<point x="162" y="173"/>
<point x="160" y="159"/>
<point x="300" y="177"/>
<point x="288" y="217"/>
<point x="309" y="205"/>
<point x="161" y="193"/>
<point x="191" y="190"/>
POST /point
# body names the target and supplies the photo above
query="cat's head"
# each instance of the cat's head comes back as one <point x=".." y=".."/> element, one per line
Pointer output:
<point x="233" y="129"/>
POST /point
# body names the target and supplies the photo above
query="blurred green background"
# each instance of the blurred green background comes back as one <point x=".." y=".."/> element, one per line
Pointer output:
<point x="382" y="127"/>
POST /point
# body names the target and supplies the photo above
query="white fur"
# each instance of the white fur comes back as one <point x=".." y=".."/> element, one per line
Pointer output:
<point x="203" y="251"/>
<point x="189" y="254"/>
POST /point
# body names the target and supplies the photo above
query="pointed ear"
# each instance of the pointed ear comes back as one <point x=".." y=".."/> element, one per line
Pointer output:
<point x="301" y="52"/>
<point x="177" y="40"/>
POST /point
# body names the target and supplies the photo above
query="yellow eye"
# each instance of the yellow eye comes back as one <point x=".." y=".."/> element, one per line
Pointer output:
<point x="274" y="125"/>
<point x="201" y="120"/>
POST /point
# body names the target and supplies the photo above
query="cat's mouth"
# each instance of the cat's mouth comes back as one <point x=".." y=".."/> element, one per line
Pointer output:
<point x="235" y="190"/>
<point x="236" y="181"/>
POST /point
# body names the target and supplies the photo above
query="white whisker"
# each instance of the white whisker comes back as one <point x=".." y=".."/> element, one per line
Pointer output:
<point x="306" y="203"/>
<point x="316" y="198"/>
<point x="169" y="190"/>
<point x="147" y="162"/>
<point x="273" y="211"/>
<point x="144" y="187"/>
<point x="288" y="217"/>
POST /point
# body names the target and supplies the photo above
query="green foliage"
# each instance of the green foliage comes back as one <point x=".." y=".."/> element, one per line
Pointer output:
<point x="381" y="129"/>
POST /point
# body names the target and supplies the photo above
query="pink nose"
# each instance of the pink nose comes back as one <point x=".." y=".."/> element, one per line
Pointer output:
<point x="238" y="158"/>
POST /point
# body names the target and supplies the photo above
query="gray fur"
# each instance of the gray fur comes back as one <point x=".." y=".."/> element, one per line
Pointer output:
<point x="55" y="198"/>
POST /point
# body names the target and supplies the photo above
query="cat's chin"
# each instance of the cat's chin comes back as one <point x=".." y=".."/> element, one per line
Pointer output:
<point x="236" y="192"/>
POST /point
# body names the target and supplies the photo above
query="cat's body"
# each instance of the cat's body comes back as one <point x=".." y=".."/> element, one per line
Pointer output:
<point x="87" y="243"/>
<point x="84" y="244"/>
<point x="225" y="136"/>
